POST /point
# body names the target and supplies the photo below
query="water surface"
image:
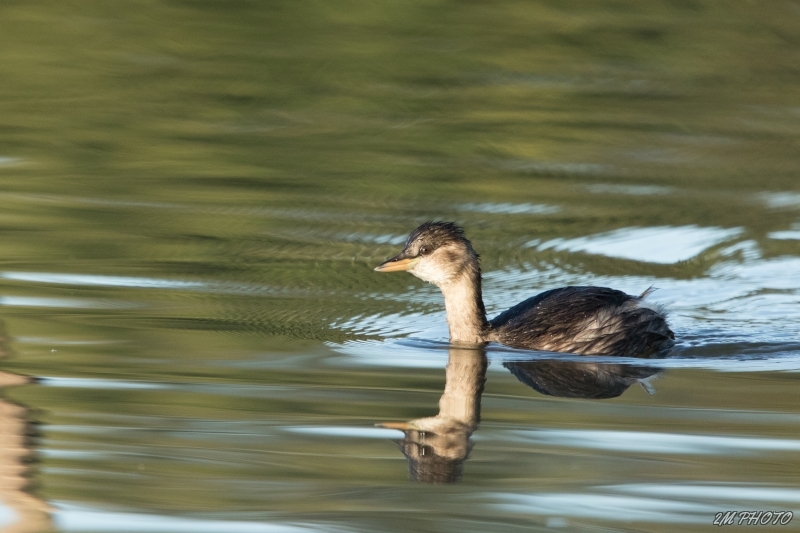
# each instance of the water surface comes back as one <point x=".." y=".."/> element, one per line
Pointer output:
<point x="195" y="194"/>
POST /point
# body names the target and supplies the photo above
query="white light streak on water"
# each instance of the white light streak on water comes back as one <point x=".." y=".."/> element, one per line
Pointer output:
<point x="339" y="431"/>
<point x="750" y="492"/>
<point x="509" y="208"/>
<point x="618" y="508"/>
<point x="778" y="200"/>
<point x="663" y="244"/>
<point x="91" y="383"/>
<point x="667" y="503"/>
<point x="75" y="518"/>
<point x="630" y="190"/>
<point x="6" y="161"/>
<point x="650" y="442"/>
<point x="792" y="234"/>
<point x="65" y="303"/>
<point x="386" y="238"/>
<point x="100" y="281"/>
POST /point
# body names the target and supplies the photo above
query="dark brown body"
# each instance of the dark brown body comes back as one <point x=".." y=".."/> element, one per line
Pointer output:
<point x="586" y="321"/>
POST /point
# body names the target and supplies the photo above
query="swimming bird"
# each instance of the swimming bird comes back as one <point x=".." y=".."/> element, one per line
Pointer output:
<point x="580" y="320"/>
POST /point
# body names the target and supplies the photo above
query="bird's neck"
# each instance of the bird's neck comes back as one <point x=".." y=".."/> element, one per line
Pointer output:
<point x="466" y="316"/>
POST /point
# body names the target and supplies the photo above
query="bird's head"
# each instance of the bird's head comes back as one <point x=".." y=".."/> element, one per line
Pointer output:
<point x="437" y="252"/>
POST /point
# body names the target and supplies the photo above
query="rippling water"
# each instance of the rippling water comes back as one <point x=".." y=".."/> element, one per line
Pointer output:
<point x="195" y="194"/>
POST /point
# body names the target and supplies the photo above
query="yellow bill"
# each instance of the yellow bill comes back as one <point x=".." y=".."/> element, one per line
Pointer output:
<point x="397" y="265"/>
<point x="402" y="426"/>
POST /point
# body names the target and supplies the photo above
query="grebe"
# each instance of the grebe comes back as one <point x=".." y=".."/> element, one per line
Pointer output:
<point x="580" y="320"/>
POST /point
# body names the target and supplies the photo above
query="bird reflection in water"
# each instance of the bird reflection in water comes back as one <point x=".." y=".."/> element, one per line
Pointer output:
<point x="437" y="447"/>
<point x="576" y="379"/>
<point x="30" y="514"/>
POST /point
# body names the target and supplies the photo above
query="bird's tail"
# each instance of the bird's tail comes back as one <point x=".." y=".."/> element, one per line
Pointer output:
<point x="650" y="290"/>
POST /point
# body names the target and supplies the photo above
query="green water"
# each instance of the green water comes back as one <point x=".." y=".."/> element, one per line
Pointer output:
<point x="194" y="195"/>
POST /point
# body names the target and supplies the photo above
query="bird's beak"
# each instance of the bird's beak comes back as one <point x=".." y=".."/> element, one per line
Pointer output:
<point x="402" y="426"/>
<point x="397" y="263"/>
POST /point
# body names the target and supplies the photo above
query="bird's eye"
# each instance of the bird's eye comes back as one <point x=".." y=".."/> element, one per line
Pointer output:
<point x="424" y="250"/>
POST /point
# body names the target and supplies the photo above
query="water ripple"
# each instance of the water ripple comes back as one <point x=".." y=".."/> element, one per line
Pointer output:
<point x="630" y="190"/>
<point x="67" y="303"/>
<point x="670" y="503"/>
<point x="509" y="208"/>
<point x="663" y="244"/>
<point x="69" y="517"/>
<point x="94" y="280"/>
<point x="651" y="442"/>
<point x="607" y="507"/>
